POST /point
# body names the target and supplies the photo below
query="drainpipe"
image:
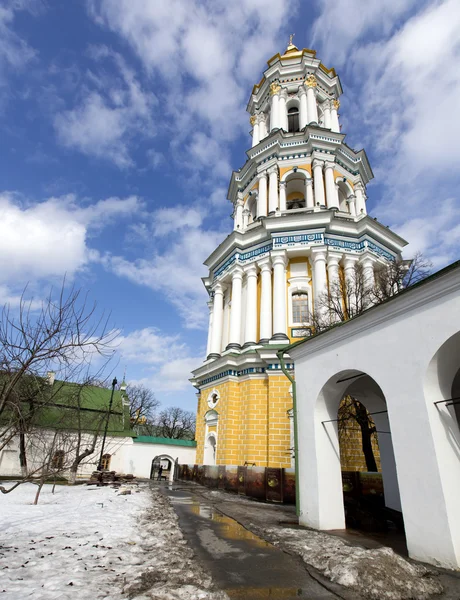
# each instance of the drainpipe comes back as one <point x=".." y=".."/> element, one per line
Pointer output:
<point x="280" y="355"/>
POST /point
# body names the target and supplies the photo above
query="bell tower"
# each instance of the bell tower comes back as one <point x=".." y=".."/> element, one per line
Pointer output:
<point x="299" y="223"/>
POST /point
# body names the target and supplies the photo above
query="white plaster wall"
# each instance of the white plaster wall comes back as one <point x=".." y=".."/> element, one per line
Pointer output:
<point x="139" y="460"/>
<point x="394" y="344"/>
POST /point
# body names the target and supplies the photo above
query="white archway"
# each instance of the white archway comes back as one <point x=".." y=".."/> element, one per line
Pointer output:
<point x="329" y="512"/>
<point x="210" y="449"/>
<point x="167" y="462"/>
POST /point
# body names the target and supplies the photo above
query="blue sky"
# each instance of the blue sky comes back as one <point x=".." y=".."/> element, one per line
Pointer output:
<point x="121" y="121"/>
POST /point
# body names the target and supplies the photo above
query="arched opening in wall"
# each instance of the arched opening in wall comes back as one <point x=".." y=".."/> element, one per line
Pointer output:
<point x="162" y="468"/>
<point x="251" y="205"/>
<point x="295" y="191"/>
<point x="105" y="462"/>
<point x="343" y="193"/>
<point x="442" y="387"/>
<point x="210" y="449"/>
<point x="57" y="462"/>
<point x="357" y="453"/>
<point x="293" y="119"/>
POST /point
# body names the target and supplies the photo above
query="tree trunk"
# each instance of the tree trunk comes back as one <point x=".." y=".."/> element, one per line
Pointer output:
<point x="366" y="436"/>
<point x="37" y="495"/>
<point x="22" y="453"/>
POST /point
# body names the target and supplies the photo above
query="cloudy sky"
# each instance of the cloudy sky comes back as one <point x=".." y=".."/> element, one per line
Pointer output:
<point x="121" y="121"/>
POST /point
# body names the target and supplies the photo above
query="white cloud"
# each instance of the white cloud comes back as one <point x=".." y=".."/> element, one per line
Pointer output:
<point x="175" y="271"/>
<point x="49" y="239"/>
<point x="166" y="361"/>
<point x="208" y="55"/>
<point x="15" y="52"/>
<point x="401" y="58"/>
<point x="168" y="220"/>
<point x="108" y="119"/>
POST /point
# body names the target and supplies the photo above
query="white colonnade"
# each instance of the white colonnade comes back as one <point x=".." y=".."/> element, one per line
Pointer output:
<point x="273" y="322"/>
<point x="321" y="190"/>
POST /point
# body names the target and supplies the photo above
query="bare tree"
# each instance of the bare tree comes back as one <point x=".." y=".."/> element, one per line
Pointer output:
<point x="177" y="423"/>
<point x="62" y="339"/>
<point x="351" y="414"/>
<point x="142" y="405"/>
<point x="350" y="294"/>
<point x="398" y="275"/>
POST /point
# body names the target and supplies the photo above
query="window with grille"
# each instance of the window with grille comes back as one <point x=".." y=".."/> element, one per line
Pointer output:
<point x="57" y="461"/>
<point x="300" y="307"/>
<point x="293" y="119"/>
<point x="105" y="462"/>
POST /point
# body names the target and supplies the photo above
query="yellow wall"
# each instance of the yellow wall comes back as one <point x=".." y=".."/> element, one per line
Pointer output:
<point x="254" y="426"/>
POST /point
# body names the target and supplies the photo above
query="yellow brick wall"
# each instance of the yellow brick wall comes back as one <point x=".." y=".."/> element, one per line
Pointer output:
<point x="280" y="401"/>
<point x="253" y="423"/>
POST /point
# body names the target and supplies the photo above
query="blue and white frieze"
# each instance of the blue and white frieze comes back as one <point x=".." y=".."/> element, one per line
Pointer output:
<point x="301" y="239"/>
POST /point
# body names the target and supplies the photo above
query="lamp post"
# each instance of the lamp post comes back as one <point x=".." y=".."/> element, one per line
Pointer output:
<point x="114" y="383"/>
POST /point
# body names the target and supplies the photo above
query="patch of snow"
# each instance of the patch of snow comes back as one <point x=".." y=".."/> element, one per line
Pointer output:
<point x="91" y="542"/>
<point x="378" y="574"/>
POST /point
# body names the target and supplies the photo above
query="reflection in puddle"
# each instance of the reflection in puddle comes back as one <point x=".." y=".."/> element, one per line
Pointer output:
<point x="255" y="593"/>
<point x="229" y="528"/>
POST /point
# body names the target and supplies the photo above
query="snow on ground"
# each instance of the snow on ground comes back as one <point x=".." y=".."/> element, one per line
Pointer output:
<point x="376" y="574"/>
<point x="87" y="542"/>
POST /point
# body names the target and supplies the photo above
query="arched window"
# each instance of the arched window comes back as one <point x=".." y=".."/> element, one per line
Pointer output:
<point x="300" y="308"/>
<point x="293" y="119"/>
<point x="105" y="462"/>
<point x="57" y="461"/>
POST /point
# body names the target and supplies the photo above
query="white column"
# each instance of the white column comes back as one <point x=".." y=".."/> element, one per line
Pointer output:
<point x="333" y="259"/>
<point x="235" y="312"/>
<point x="368" y="279"/>
<point x="318" y="180"/>
<point x="327" y="115"/>
<point x="265" y="300"/>
<point x="218" y="320"/>
<point x="274" y="111"/>
<point x="279" y="296"/>
<point x="352" y="285"/>
<point x="335" y="125"/>
<point x="262" y="126"/>
<point x="250" y="329"/>
<point x="283" y="120"/>
<point x="272" y="190"/>
<point x="255" y="130"/>
<point x="331" y="190"/>
<point x="352" y="204"/>
<point x="310" y="203"/>
<point x="360" y="199"/>
<point x="319" y="278"/>
<point x="303" y="112"/>
<point x="282" y="195"/>
<point x="312" y="109"/>
<point x="208" y="347"/>
<point x="238" y="221"/>
<point x="246" y="214"/>
<point x="262" y="198"/>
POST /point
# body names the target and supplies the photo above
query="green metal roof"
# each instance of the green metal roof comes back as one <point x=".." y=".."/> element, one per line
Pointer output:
<point x="70" y="406"/>
<point x="150" y="439"/>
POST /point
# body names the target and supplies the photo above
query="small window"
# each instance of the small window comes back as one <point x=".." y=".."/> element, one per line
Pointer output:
<point x="105" y="462"/>
<point x="293" y="119"/>
<point x="300" y="308"/>
<point x="57" y="461"/>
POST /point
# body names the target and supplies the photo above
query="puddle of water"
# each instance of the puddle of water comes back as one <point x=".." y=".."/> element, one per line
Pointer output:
<point x="256" y="593"/>
<point x="229" y="528"/>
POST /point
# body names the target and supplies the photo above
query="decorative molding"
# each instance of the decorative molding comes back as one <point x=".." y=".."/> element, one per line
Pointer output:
<point x="301" y="332"/>
<point x="234" y="373"/>
<point x="331" y="242"/>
